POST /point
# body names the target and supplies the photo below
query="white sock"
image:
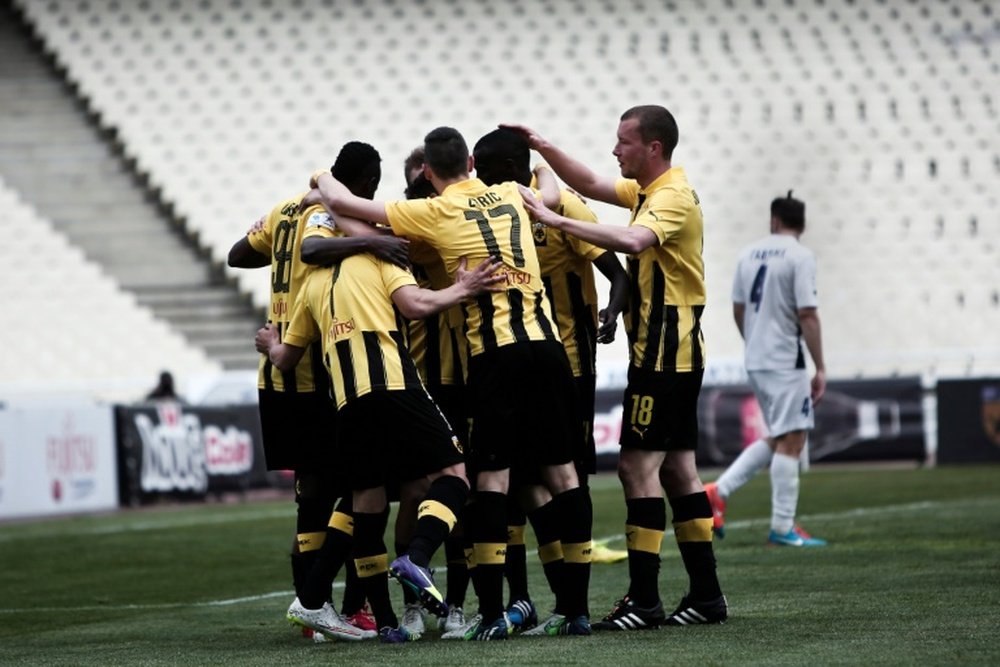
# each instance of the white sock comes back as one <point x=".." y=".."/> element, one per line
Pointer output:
<point x="784" y="492"/>
<point x="754" y="457"/>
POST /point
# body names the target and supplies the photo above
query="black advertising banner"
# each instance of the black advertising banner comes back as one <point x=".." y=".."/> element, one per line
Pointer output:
<point x="856" y="421"/>
<point x="968" y="419"/>
<point x="169" y="449"/>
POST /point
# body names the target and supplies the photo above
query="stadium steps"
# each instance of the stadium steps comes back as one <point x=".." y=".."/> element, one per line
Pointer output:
<point x="54" y="152"/>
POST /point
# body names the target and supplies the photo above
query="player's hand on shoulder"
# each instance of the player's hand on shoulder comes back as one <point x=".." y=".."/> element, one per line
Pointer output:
<point x="394" y="249"/>
<point x="313" y="198"/>
<point x="258" y="225"/>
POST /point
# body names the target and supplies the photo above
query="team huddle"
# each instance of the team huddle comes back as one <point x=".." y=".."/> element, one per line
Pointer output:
<point x="440" y="350"/>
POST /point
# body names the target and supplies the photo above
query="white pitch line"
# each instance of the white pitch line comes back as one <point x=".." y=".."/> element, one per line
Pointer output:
<point x="169" y="605"/>
<point x="154" y="524"/>
<point x="829" y="516"/>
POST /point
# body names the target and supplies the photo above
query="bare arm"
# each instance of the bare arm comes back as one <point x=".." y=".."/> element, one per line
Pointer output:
<point x="339" y="199"/>
<point x="548" y="186"/>
<point x="809" y="322"/>
<point x="326" y="251"/>
<point x="576" y="174"/>
<point x="284" y="356"/>
<point x="609" y="265"/>
<point x="739" y="310"/>
<point x="243" y="256"/>
<point x="416" y="303"/>
<point x="632" y="240"/>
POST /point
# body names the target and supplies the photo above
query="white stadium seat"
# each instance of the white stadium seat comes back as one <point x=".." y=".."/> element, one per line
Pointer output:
<point x="228" y="106"/>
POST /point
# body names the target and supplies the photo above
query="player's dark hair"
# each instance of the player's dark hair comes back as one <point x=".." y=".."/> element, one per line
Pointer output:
<point x="420" y="188"/>
<point x="655" y="124"/>
<point x="413" y="160"/>
<point x="505" y="155"/>
<point x="358" y="167"/>
<point x="790" y="211"/>
<point x="446" y="152"/>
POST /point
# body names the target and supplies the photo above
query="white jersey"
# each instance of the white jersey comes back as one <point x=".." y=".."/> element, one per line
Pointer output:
<point x="775" y="277"/>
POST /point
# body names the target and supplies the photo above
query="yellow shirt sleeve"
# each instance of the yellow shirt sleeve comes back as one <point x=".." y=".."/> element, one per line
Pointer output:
<point x="262" y="240"/>
<point x="628" y="192"/>
<point x="395" y="277"/>
<point x="412" y="218"/>
<point x="302" y="328"/>
<point x="574" y="207"/>
<point x="664" y="213"/>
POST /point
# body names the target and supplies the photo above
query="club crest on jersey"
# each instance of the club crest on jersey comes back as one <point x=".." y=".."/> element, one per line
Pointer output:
<point x="321" y="219"/>
<point x="538" y="230"/>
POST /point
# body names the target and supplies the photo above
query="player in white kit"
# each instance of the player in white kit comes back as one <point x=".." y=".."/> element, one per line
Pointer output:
<point x="775" y="307"/>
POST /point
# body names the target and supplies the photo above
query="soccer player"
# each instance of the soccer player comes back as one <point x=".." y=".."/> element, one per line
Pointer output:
<point x="567" y="272"/>
<point x="386" y="420"/>
<point x="667" y="358"/>
<point x="517" y="364"/>
<point x="775" y="307"/>
<point x="296" y="415"/>
<point x="438" y="347"/>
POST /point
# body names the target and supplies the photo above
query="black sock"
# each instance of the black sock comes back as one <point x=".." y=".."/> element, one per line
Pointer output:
<point x="489" y="551"/>
<point x="372" y="562"/>
<point x="313" y="506"/>
<point x="645" y="523"/>
<point x="575" y="516"/>
<point x="545" y="523"/>
<point x="468" y="517"/>
<point x="693" y="529"/>
<point x="458" y="571"/>
<point x="436" y="516"/>
<point x="331" y="556"/>
<point x="515" y="564"/>
<point x="354" y="594"/>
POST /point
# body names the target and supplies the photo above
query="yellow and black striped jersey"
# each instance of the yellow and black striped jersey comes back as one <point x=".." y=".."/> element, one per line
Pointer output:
<point x="667" y="280"/>
<point x="281" y="239"/>
<point x="568" y="275"/>
<point x="349" y="307"/>
<point x="437" y="344"/>
<point x="477" y="222"/>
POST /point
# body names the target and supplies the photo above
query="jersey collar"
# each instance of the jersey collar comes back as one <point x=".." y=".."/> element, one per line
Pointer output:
<point x="672" y="175"/>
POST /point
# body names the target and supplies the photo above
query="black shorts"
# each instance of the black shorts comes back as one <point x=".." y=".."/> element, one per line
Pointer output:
<point x="524" y="407"/>
<point x="451" y="399"/>
<point x="586" y="461"/>
<point x="298" y="428"/>
<point x="660" y="410"/>
<point x="394" y="436"/>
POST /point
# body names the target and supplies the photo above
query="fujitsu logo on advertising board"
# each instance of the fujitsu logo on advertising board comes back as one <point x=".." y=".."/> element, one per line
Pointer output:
<point x="71" y="461"/>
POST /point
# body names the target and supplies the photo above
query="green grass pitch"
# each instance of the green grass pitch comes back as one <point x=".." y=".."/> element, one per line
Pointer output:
<point x="911" y="576"/>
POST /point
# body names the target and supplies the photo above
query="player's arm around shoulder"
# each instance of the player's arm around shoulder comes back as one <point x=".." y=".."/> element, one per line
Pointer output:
<point x="417" y="303"/>
<point x="253" y="250"/>
<point x="338" y="198"/>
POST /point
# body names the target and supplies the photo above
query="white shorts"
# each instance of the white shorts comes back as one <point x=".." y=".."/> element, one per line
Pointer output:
<point x="784" y="398"/>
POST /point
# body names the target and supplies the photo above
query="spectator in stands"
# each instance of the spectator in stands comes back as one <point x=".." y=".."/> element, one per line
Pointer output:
<point x="164" y="389"/>
<point x="660" y="426"/>
<point x="774" y="304"/>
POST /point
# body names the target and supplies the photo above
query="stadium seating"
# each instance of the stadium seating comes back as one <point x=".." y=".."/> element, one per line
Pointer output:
<point x="881" y="115"/>
<point x="69" y="323"/>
